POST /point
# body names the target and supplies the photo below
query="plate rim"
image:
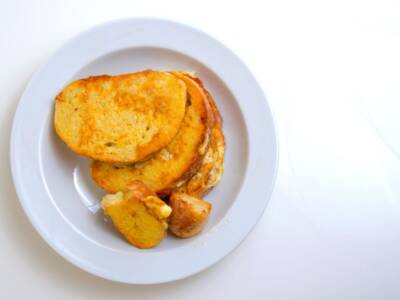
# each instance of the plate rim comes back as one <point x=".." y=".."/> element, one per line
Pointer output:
<point x="13" y="145"/>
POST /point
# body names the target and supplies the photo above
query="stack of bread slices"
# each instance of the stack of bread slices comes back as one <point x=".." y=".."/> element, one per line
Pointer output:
<point x="157" y="147"/>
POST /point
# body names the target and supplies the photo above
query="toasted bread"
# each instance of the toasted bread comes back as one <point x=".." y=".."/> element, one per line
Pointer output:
<point x="217" y="115"/>
<point x="211" y="169"/>
<point x="178" y="161"/>
<point x="188" y="216"/>
<point x="123" y="118"/>
<point x="138" y="214"/>
<point x="212" y="166"/>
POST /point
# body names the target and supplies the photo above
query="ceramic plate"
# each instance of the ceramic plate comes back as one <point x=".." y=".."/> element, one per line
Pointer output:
<point x="54" y="185"/>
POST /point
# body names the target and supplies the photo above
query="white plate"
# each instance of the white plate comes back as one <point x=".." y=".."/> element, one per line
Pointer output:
<point x="54" y="186"/>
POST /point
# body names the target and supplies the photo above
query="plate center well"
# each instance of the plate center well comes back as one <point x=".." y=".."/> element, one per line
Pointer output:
<point x="67" y="174"/>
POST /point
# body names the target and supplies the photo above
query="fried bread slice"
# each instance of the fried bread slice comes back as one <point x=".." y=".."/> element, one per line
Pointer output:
<point x="123" y="118"/>
<point x="211" y="169"/>
<point x="178" y="161"/>
<point x="138" y="214"/>
<point x="217" y="115"/>
<point x="212" y="166"/>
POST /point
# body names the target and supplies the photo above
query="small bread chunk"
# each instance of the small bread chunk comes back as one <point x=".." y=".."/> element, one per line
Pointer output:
<point x="189" y="214"/>
<point x="122" y="118"/>
<point x="138" y="214"/>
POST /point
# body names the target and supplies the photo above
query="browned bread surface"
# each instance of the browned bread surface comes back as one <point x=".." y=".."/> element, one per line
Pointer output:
<point x="176" y="162"/>
<point x="123" y="118"/>
<point x="189" y="214"/>
<point x="138" y="214"/>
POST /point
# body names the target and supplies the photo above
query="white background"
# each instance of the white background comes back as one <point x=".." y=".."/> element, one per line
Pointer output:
<point x="330" y="70"/>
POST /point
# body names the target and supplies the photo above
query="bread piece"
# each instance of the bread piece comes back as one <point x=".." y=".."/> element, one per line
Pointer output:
<point x="189" y="214"/>
<point x="217" y="115"/>
<point x="211" y="169"/>
<point x="212" y="166"/>
<point x="178" y="161"/>
<point x="123" y="118"/>
<point x="138" y="214"/>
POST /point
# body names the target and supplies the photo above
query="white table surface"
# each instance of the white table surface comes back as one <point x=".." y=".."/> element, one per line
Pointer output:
<point x="332" y="228"/>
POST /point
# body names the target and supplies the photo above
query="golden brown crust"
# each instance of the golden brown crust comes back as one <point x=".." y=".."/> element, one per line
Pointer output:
<point x="138" y="215"/>
<point x="139" y="189"/>
<point x="180" y="159"/>
<point x="212" y="166"/>
<point x="217" y="115"/>
<point x="188" y="216"/>
<point x="123" y="118"/>
<point x="211" y="169"/>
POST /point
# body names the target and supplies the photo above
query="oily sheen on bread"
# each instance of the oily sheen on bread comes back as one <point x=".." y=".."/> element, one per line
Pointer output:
<point x="211" y="169"/>
<point x="178" y="161"/>
<point x="138" y="214"/>
<point x="212" y="166"/>
<point x="189" y="214"/>
<point x="123" y="118"/>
